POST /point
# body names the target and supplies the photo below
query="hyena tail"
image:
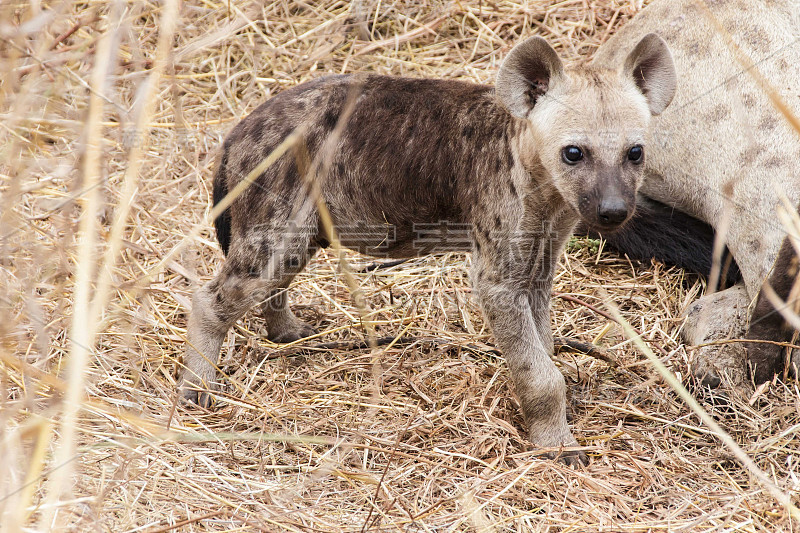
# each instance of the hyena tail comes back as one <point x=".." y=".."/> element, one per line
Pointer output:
<point x="661" y="232"/>
<point x="223" y="222"/>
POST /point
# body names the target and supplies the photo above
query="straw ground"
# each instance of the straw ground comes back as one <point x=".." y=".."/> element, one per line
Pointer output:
<point x="110" y="118"/>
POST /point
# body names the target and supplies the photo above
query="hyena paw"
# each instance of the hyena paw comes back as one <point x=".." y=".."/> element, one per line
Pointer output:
<point x="554" y="438"/>
<point x="290" y="332"/>
<point x="195" y="394"/>
<point x="713" y="365"/>
<point x="717" y="317"/>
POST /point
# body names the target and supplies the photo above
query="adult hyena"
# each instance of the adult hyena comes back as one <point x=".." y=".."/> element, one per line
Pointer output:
<point x="725" y="155"/>
<point x="519" y="164"/>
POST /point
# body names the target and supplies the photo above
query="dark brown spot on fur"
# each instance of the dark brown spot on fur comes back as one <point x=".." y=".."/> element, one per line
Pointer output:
<point x="719" y="112"/>
<point x="758" y="39"/>
<point x="698" y="49"/>
<point x="774" y="162"/>
<point x="248" y="162"/>
<point x="290" y="176"/>
<point x="256" y="133"/>
<point x="768" y="122"/>
<point x="748" y="155"/>
<point x="330" y="118"/>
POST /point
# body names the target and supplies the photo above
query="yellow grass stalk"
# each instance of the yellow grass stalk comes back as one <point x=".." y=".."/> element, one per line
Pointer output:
<point x="676" y="385"/>
<point x="87" y="313"/>
<point x="82" y="329"/>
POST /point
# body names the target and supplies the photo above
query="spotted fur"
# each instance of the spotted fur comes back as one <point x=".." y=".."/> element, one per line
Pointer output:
<point x="724" y="155"/>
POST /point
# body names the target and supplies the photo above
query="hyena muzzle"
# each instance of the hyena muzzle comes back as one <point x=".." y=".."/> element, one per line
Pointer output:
<point x="513" y="168"/>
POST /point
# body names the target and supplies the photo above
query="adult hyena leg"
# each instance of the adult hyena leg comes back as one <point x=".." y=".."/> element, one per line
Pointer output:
<point x="526" y="341"/>
<point x="718" y="316"/>
<point x="262" y="264"/>
<point x="767" y="324"/>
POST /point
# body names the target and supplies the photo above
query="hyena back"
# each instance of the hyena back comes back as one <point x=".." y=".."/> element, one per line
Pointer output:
<point x="517" y="165"/>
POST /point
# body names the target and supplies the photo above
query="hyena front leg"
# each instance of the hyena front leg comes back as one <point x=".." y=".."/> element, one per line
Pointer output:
<point x="523" y="335"/>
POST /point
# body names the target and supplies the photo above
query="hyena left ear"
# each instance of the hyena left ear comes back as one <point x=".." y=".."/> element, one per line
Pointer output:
<point x="652" y="69"/>
<point x="527" y="72"/>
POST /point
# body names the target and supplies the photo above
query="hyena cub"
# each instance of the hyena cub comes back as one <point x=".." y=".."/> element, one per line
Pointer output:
<point x="518" y="164"/>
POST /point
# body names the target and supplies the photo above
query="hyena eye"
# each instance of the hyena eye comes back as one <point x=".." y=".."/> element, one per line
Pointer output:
<point x="571" y="155"/>
<point x="636" y="153"/>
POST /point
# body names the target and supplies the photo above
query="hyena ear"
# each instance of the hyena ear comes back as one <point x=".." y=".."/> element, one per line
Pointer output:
<point x="652" y="69"/>
<point x="529" y="71"/>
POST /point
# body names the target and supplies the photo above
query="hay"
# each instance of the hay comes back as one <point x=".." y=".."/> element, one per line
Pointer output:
<point x="304" y="438"/>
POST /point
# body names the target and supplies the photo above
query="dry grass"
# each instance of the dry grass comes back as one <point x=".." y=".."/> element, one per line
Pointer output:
<point x="427" y="439"/>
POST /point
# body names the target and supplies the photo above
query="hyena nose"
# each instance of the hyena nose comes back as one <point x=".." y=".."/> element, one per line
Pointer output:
<point x="612" y="211"/>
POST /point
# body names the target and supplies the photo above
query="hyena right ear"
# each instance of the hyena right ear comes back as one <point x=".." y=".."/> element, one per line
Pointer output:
<point x="652" y="69"/>
<point x="526" y="74"/>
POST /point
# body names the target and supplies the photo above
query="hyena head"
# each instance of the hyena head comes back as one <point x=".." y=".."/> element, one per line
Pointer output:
<point x="588" y="127"/>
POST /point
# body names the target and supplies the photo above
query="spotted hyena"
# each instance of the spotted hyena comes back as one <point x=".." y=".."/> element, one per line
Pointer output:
<point x="724" y="155"/>
<point x="518" y="164"/>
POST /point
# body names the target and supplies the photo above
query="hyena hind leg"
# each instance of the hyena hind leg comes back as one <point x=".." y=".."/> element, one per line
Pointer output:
<point x="246" y="280"/>
<point x="216" y="306"/>
<point x="716" y="317"/>
<point x="282" y="324"/>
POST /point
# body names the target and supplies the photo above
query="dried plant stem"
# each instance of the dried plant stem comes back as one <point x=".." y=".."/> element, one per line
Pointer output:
<point x="130" y="180"/>
<point x="83" y="331"/>
<point x="780" y="496"/>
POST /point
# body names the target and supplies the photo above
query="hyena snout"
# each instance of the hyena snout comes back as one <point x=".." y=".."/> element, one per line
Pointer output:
<point x="612" y="211"/>
<point x="607" y="211"/>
